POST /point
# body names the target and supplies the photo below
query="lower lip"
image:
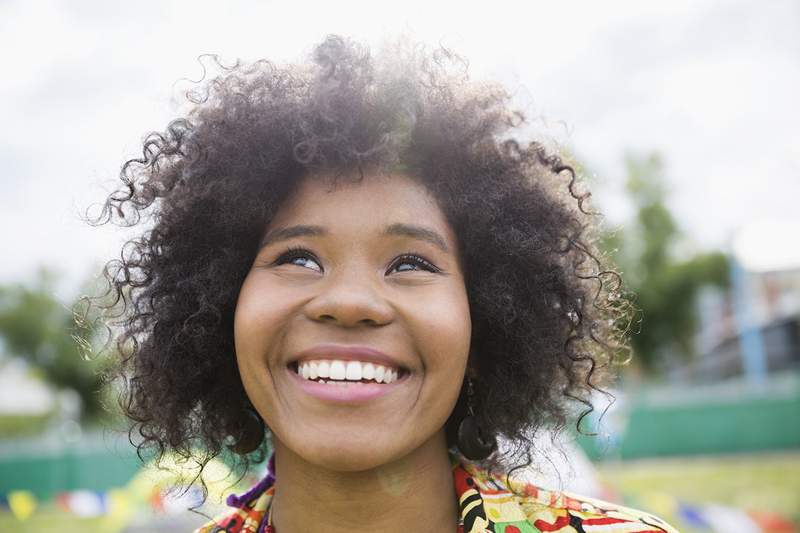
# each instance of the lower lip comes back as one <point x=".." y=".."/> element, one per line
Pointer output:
<point x="349" y="393"/>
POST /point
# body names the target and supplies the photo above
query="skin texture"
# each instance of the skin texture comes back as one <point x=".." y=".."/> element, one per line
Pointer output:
<point x="353" y="286"/>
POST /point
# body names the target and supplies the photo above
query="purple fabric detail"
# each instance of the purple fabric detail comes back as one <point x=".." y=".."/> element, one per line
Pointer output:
<point x="271" y="466"/>
<point x="238" y="501"/>
<point x="262" y="527"/>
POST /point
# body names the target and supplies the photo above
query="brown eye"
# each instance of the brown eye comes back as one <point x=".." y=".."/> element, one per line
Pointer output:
<point x="414" y="260"/>
<point x="293" y="255"/>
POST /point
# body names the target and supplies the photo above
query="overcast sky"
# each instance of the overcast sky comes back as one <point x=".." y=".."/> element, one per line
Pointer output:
<point x="710" y="84"/>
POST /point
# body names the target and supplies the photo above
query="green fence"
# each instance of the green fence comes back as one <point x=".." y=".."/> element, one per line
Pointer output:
<point x="723" y="418"/>
<point x="94" y="462"/>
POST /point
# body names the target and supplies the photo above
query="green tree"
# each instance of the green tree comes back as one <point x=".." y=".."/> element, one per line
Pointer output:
<point x="664" y="286"/>
<point x="35" y="326"/>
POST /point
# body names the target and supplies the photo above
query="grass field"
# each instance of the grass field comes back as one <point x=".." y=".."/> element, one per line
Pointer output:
<point x="767" y="482"/>
<point x="50" y="520"/>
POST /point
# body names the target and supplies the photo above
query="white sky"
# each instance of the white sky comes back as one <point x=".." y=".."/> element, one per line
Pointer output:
<point x="710" y="84"/>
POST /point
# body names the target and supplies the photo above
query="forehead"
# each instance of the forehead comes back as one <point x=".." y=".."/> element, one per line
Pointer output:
<point x="374" y="201"/>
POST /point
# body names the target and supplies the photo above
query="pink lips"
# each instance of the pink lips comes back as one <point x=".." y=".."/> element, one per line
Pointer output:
<point x="347" y="353"/>
<point x="350" y="392"/>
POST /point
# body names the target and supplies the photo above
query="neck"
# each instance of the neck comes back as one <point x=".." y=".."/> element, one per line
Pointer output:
<point x="414" y="493"/>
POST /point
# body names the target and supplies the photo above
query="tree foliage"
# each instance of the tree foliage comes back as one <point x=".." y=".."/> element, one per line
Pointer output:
<point x="37" y="327"/>
<point x="664" y="284"/>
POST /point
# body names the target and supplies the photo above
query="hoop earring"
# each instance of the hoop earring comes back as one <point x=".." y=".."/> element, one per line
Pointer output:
<point x="251" y="434"/>
<point x="471" y="442"/>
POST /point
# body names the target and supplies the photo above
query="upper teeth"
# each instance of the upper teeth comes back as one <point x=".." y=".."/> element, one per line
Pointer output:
<point x="346" y="371"/>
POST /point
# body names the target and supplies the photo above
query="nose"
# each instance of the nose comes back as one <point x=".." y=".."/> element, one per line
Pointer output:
<point x="351" y="297"/>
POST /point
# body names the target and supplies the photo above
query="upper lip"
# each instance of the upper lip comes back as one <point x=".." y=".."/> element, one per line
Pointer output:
<point x="347" y="353"/>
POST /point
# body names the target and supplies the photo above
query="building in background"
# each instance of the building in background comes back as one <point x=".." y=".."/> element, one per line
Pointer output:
<point x="755" y="326"/>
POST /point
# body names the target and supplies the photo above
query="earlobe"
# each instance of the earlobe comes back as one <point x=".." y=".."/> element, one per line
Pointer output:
<point x="250" y="434"/>
<point x="473" y="443"/>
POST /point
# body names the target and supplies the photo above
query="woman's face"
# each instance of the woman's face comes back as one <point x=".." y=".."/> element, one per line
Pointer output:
<point x="362" y="275"/>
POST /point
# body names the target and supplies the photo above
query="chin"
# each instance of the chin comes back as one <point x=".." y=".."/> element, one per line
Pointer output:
<point x="355" y="448"/>
<point x="348" y="455"/>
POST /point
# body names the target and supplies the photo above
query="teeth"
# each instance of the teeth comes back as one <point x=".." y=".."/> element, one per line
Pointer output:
<point x="368" y="371"/>
<point x="338" y="371"/>
<point x="353" y="372"/>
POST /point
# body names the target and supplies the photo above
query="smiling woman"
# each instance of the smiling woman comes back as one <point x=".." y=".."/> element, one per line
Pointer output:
<point x="356" y="264"/>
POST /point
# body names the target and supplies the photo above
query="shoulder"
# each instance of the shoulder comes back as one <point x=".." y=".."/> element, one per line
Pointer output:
<point x="488" y="504"/>
<point x="564" y="508"/>
<point x="244" y="518"/>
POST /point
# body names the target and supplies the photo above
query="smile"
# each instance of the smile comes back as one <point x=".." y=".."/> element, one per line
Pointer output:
<point x="346" y="382"/>
<point x="336" y="371"/>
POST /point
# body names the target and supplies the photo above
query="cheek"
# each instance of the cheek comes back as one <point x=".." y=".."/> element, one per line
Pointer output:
<point x="258" y="317"/>
<point x="445" y="339"/>
<point x="444" y="330"/>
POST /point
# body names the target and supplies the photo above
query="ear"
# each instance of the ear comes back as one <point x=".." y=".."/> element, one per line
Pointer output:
<point x="251" y="433"/>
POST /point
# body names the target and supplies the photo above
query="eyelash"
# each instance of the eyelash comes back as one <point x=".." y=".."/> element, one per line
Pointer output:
<point x="294" y="252"/>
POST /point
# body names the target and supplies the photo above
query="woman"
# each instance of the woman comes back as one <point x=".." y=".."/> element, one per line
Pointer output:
<point x="357" y="263"/>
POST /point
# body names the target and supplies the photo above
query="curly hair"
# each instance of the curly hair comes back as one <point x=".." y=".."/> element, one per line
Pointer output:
<point x="547" y="316"/>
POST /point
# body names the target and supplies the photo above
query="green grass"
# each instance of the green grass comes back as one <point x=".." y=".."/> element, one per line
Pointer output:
<point x="52" y="520"/>
<point x="769" y="482"/>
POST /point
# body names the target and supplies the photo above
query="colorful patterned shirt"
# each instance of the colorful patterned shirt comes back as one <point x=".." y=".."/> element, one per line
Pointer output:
<point x="487" y="505"/>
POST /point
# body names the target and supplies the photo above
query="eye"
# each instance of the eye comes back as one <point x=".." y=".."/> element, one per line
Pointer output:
<point x="296" y="253"/>
<point x="416" y="261"/>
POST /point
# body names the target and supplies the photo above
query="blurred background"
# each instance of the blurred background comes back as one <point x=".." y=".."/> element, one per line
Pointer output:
<point x="681" y="115"/>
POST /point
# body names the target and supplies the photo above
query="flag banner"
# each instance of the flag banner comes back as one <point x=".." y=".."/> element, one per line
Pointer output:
<point x="22" y="503"/>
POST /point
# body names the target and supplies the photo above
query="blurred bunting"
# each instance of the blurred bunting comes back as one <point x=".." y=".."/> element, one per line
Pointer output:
<point x="727" y="519"/>
<point x="22" y="503"/>
<point x="772" y="523"/>
<point x="119" y="509"/>
<point x="692" y="516"/>
<point x="87" y="503"/>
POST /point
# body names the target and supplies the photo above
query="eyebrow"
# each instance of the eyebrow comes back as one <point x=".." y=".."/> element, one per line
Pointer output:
<point x="404" y="230"/>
